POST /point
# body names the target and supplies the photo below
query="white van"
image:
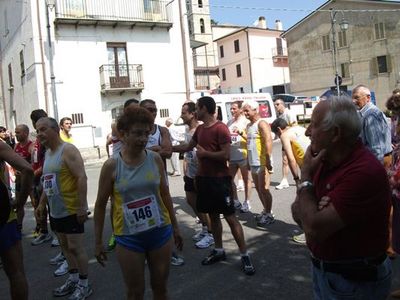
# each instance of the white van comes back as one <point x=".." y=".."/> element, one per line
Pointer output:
<point x="224" y="101"/>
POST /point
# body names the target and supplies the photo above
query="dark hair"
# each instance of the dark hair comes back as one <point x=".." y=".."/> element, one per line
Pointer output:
<point x="37" y="114"/>
<point x="191" y="106"/>
<point x="3" y="129"/>
<point x="65" y="119"/>
<point x="278" y="123"/>
<point x="51" y="122"/>
<point x="393" y="103"/>
<point x="238" y="103"/>
<point x="208" y="102"/>
<point x="145" y="101"/>
<point x="134" y="115"/>
<point x="130" y="101"/>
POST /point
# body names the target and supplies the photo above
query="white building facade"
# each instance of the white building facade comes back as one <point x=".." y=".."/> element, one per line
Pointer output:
<point x="253" y="59"/>
<point x="104" y="52"/>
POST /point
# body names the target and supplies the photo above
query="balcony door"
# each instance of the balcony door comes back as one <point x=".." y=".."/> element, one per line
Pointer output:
<point x="118" y="64"/>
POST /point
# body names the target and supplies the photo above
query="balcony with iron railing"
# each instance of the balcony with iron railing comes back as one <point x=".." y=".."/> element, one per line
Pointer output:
<point x="150" y="13"/>
<point x="121" y="78"/>
<point x="279" y="52"/>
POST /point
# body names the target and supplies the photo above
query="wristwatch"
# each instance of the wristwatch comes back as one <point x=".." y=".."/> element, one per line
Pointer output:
<point x="304" y="185"/>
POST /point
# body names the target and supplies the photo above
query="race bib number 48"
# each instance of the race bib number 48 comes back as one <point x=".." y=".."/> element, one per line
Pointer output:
<point x="142" y="214"/>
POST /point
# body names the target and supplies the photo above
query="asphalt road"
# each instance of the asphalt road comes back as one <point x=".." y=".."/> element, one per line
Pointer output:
<point x="282" y="266"/>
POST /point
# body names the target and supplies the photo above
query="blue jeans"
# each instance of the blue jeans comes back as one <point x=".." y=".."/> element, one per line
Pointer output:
<point x="332" y="286"/>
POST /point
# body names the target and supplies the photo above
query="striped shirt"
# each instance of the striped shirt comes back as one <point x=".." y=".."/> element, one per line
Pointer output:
<point x="375" y="133"/>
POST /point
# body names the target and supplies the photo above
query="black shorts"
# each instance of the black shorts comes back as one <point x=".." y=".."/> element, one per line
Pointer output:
<point x="67" y="225"/>
<point x="214" y="195"/>
<point x="189" y="184"/>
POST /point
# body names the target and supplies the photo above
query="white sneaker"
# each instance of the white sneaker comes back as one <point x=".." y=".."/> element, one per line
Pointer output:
<point x="205" y="242"/>
<point x="59" y="258"/>
<point x="283" y="185"/>
<point x="62" y="269"/>
<point x="81" y="292"/>
<point x="245" y="207"/>
<point x="55" y="242"/>
<point x="42" y="238"/>
<point x="266" y="219"/>
<point x="237" y="204"/>
<point x="199" y="236"/>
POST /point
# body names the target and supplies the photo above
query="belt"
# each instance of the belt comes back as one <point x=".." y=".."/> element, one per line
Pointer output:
<point x="359" y="270"/>
<point x="388" y="154"/>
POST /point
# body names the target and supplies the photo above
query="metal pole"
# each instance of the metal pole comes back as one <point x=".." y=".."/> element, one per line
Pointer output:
<point x="52" y="76"/>
<point x="333" y="23"/>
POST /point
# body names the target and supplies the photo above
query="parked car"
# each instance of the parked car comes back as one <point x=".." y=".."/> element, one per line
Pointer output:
<point x="287" y="98"/>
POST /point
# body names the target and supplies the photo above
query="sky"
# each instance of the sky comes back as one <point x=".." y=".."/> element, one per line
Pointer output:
<point x="246" y="12"/>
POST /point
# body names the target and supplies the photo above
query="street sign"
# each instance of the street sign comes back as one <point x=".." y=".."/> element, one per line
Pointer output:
<point x="338" y="79"/>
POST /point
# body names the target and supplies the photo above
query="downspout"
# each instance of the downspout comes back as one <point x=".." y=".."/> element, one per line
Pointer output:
<point x="248" y="53"/>
<point x="46" y="94"/>
<point x="2" y="90"/>
<point x="185" y="64"/>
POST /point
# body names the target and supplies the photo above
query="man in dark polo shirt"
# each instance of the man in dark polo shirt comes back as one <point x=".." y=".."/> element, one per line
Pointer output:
<point x="342" y="204"/>
<point x="213" y="183"/>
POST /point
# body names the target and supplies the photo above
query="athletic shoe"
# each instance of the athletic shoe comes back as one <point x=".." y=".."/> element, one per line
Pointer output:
<point x="55" y="242"/>
<point x="59" y="258"/>
<point x="300" y="239"/>
<point x="240" y="188"/>
<point x="42" y="238"/>
<point x="245" y="207"/>
<point x="266" y="219"/>
<point x="213" y="257"/>
<point x="111" y="244"/>
<point x="205" y="242"/>
<point x="247" y="266"/>
<point x="199" y="236"/>
<point x="177" y="260"/>
<point x="36" y="233"/>
<point x="283" y="185"/>
<point x="62" y="269"/>
<point x="81" y="292"/>
<point x="67" y="288"/>
<point x="237" y="204"/>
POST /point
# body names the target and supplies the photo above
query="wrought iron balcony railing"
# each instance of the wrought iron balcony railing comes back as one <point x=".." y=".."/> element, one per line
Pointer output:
<point x="110" y="12"/>
<point x="118" y="78"/>
<point x="279" y="52"/>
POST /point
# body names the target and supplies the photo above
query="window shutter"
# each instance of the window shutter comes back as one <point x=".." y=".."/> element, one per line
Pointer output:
<point x="374" y="67"/>
<point x="389" y="63"/>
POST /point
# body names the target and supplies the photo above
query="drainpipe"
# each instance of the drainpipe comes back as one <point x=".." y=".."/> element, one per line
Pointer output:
<point x="185" y="64"/>
<point x="52" y="76"/>
<point x="46" y="95"/>
<point x="2" y="90"/>
<point x="248" y="53"/>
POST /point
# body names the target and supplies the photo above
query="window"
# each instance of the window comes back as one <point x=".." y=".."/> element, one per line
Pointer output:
<point x="200" y="3"/>
<point x="237" y="46"/>
<point x="382" y="64"/>
<point x="164" y="113"/>
<point x="221" y="51"/>
<point x="379" y="31"/>
<point x="345" y="70"/>
<point x="10" y="77"/>
<point x="342" y="39"/>
<point x="279" y="48"/>
<point x="118" y="65"/>
<point x="241" y="90"/>
<point x="223" y="75"/>
<point x="326" y="42"/>
<point x="77" y="118"/>
<point x="239" y="70"/>
<point x="202" y="28"/>
<point x="22" y="62"/>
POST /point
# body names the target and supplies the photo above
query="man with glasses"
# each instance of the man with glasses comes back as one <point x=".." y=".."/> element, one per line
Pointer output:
<point x="375" y="131"/>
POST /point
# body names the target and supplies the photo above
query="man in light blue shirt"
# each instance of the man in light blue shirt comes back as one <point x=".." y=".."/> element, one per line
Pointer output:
<point x="375" y="133"/>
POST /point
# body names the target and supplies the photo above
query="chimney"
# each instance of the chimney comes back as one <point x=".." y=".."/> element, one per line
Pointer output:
<point x="278" y="25"/>
<point x="262" y="23"/>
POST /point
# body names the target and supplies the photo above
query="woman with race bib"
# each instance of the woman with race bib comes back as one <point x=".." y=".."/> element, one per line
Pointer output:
<point x="143" y="217"/>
